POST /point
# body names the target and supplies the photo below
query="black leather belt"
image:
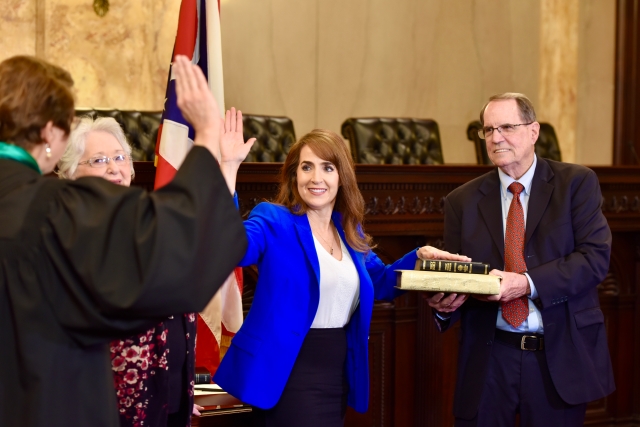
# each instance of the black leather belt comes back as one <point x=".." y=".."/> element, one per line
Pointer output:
<point x="531" y="342"/>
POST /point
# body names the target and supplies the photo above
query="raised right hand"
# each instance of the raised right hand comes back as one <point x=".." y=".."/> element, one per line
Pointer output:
<point x="197" y="104"/>
<point x="233" y="149"/>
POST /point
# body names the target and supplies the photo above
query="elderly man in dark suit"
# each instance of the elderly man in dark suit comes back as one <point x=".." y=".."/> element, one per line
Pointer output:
<point x="539" y="347"/>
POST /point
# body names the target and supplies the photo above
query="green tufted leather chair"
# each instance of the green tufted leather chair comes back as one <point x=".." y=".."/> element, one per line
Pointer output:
<point x="547" y="145"/>
<point x="274" y="137"/>
<point x="274" y="134"/>
<point x="399" y="141"/>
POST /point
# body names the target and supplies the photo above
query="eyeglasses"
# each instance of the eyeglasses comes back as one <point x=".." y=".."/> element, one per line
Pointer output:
<point x="103" y="161"/>
<point x="506" y="130"/>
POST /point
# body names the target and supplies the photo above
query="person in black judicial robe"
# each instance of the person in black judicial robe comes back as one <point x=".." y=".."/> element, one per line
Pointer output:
<point x="84" y="262"/>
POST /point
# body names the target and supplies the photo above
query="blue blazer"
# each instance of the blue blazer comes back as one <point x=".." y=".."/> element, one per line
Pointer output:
<point x="256" y="367"/>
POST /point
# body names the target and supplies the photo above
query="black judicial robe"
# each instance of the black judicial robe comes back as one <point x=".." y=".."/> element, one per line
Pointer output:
<point x="83" y="262"/>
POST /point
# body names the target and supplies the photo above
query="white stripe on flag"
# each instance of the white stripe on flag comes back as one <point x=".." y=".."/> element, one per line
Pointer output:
<point x="214" y="54"/>
<point x="174" y="142"/>
<point x="231" y="304"/>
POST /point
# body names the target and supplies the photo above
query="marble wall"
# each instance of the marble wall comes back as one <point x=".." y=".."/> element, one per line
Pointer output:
<point x="321" y="61"/>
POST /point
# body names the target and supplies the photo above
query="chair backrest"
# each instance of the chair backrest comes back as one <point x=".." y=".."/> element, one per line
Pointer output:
<point x="547" y="145"/>
<point x="275" y="135"/>
<point x="400" y="141"/>
<point x="140" y="128"/>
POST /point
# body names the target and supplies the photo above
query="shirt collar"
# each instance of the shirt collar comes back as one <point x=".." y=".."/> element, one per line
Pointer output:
<point x="525" y="180"/>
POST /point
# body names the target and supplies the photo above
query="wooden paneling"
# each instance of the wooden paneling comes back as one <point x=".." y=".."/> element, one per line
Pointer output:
<point x="626" y="141"/>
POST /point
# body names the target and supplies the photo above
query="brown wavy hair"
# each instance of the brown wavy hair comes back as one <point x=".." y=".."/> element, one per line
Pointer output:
<point x="349" y="201"/>
<point x="33" y="92"/>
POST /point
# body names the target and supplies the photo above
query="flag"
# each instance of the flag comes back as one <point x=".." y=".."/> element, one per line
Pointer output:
<point x="198" y="38"/>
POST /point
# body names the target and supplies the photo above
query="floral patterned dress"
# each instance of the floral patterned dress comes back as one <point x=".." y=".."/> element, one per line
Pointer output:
<point x="141" y="367"/>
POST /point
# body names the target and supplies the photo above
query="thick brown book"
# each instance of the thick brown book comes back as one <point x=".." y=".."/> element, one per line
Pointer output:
<point x="438" y="281"/>
<point x="452" y="266"/>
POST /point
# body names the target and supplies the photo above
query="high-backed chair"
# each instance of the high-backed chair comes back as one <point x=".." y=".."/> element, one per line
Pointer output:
<point x="140" y="128"/>
<point x="274" y="137"/>
<point x="274" y="134"/>
<point x="547" y="145"/>
<point x="398" y="141"/>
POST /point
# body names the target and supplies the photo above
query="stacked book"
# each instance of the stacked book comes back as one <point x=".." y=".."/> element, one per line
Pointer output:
<point x="434" y="275"/>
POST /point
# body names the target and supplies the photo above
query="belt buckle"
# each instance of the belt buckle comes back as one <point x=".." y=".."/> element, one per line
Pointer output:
<point x="522" y="347"/>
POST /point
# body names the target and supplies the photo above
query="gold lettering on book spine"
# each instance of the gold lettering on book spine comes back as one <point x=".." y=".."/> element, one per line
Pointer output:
<point x="447" y="266"/>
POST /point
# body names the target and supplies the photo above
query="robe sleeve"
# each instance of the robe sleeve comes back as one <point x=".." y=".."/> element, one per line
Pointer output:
<point x="127" y="258"/>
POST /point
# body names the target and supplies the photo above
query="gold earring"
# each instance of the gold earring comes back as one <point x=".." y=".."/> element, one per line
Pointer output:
<point x="47" y="149"/>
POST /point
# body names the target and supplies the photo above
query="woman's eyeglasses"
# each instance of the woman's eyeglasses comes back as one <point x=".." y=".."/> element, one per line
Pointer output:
<point x="103" y="161"/>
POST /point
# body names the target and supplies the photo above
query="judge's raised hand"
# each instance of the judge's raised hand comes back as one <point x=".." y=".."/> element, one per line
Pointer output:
<point x="429" y="252"/>
<point x="233" y="149"/>
<point x="197" y="104"/>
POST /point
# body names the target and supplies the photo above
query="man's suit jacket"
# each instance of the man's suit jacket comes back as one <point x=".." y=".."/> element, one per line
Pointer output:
<point x="257" y="365"/>
<point x="567" y="249"/>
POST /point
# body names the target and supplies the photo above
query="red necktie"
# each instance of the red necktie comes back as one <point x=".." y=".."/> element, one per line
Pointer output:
<point x="515" y="311"/>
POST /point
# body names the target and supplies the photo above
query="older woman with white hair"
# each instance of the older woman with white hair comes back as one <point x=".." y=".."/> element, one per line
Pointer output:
<point x="98" y="148"/>
<point x="153" y="371"/>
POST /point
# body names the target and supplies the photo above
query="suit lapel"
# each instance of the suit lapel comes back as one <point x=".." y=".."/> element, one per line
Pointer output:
<point x="306" y="240"/>
<point x="540" y="196"/>
<point x="490" y="209"/>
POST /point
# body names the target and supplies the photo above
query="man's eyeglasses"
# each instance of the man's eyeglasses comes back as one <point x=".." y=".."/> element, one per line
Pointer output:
<point x="506" y="130"/>
<point x="103" y="161"/>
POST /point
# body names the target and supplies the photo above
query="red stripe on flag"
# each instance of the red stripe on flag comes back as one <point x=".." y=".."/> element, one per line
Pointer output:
<point x="239" y="278"/>
<point x="207" y="348"/>
<point x="164" y="173"/>
<point x="187" y="29"/>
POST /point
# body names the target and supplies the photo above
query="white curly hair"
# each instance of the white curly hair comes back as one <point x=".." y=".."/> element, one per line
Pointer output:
<point x="68" y="164"/>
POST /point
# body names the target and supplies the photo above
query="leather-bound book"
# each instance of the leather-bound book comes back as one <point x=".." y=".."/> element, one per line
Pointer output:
<point x="452" y="266"/>
<point x="202" y="376"/>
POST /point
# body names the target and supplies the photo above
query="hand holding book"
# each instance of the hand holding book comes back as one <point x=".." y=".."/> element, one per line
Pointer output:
<point x="445" y="303"/>
<point x="512" y="286"/>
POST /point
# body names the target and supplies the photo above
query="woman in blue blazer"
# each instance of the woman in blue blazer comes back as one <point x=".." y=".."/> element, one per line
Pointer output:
<point x="301" y="354"/>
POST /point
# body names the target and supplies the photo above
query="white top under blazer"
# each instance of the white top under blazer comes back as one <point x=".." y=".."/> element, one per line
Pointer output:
<point x="339" y="288"/>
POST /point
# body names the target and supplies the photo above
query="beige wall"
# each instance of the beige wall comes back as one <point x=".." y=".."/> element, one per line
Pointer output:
<point x="321" y="61"/>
